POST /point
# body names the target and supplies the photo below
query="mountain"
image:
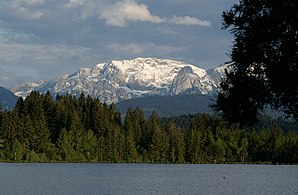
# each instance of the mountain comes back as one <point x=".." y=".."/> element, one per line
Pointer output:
<point x="116" y="81"/>
<point x="7" y="99"/>
<point x="167" y="106"/>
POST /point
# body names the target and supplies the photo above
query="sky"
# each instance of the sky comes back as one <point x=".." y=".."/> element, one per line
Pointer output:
<point x="45" y="39"/>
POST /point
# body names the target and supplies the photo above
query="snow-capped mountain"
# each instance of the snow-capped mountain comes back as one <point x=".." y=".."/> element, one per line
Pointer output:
<point x="127" y="79"/>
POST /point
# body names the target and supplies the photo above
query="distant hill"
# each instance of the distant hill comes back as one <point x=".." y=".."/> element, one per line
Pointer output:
<point x="7" y="99"/>
<point x="167" y="106"/>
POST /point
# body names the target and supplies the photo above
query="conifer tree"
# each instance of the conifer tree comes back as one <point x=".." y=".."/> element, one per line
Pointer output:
<point x="50" y="115"/>
<point x="138" y="125"/>
<point x="264" y="58"/>
<point x="77" y="128"/>
<point x="219" y="150"/>
<point x="20" y="107"/>
<point x="118" y="143"/>
<point x="65" y="144"/>
<point x="290" y="154"/>
<point x="89" y="146"/>
<point x="41" y="139"/>
<point x="101" y="149"/>
<point x="176" y="144"/>
<point x="130" y="137"/>
<point x="159" y="145"/>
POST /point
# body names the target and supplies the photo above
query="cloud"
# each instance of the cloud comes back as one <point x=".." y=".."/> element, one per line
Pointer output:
<point x="29" y="14"/>
<point x="74" y="3"/>
<point x="143" y="49"/>
<point x="23" y="9"/>
<point x="131" y="48"/>
<point x="166" y="49"/>
<point x="189" y="21"/>
<point x="39" y="53"/>
<point x="167" y="30"/>
<point x="10" y="79"/>
<point x="123" y="12"/>
<point x="46" y="38"/>
<point x="39" y="61"/>
<point x="16" y="45"/>
<point x="30" y="2"/>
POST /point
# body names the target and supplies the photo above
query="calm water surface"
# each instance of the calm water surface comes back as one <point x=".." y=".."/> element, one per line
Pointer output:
<point x="147" y="179"/>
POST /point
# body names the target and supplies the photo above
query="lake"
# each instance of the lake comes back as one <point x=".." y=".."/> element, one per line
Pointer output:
<point x="59" y="178"/>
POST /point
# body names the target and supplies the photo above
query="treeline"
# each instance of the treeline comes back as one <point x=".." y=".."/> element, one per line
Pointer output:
<point x="83" y="129"/>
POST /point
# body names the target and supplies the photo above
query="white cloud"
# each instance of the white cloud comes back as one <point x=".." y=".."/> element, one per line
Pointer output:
<point x="166" y="49"/>
<point x="19" y="53"/>
<point x="131" y="48"/>
<point x="189" y="21"/>
<point x="40" y="61"/>
<point x="143" y="49"/>
<point x="167" y="30"/>
<point x="125" y="11"/>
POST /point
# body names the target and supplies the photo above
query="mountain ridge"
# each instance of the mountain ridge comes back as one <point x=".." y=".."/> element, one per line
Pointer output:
<point x="120" y="80"/>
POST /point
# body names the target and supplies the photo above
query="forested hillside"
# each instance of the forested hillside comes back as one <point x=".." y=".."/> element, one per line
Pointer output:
<point x="167" y="106"/>
<point x="67" y="129"/>
<point x="7" y="99"/>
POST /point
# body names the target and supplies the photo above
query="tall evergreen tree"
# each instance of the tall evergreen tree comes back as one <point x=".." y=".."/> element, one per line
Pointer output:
<point x="41" y="139"/>
<point x="130" y="137"/>
<point x="264" y="58"/>
<point x="65" y="144"/>
<point x="159" y="144"/>
<point x="20" y="107"/>
<point x="89" y="146"/>
<point x="176" y="144"/>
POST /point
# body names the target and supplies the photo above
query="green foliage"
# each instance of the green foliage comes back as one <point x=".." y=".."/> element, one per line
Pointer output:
<point x="176" y="144"/>
<point x="40" y="129"/>
<point x="264" y="58"/>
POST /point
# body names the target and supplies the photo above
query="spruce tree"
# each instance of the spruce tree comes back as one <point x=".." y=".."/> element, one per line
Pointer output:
<point x="50" y="115"/>
<point x="130" y="137"/>
<point x="176" y="144"/>
<point x="41" y="138"/>
<point x="158" y="147"/>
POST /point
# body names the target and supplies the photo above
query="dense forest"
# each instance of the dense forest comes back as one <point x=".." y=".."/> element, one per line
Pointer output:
<point x="69" y="129"/>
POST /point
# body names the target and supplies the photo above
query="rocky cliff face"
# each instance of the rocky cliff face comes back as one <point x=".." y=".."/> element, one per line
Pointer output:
<point x="186" y="82"/>
<point x="127" y="79"/>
